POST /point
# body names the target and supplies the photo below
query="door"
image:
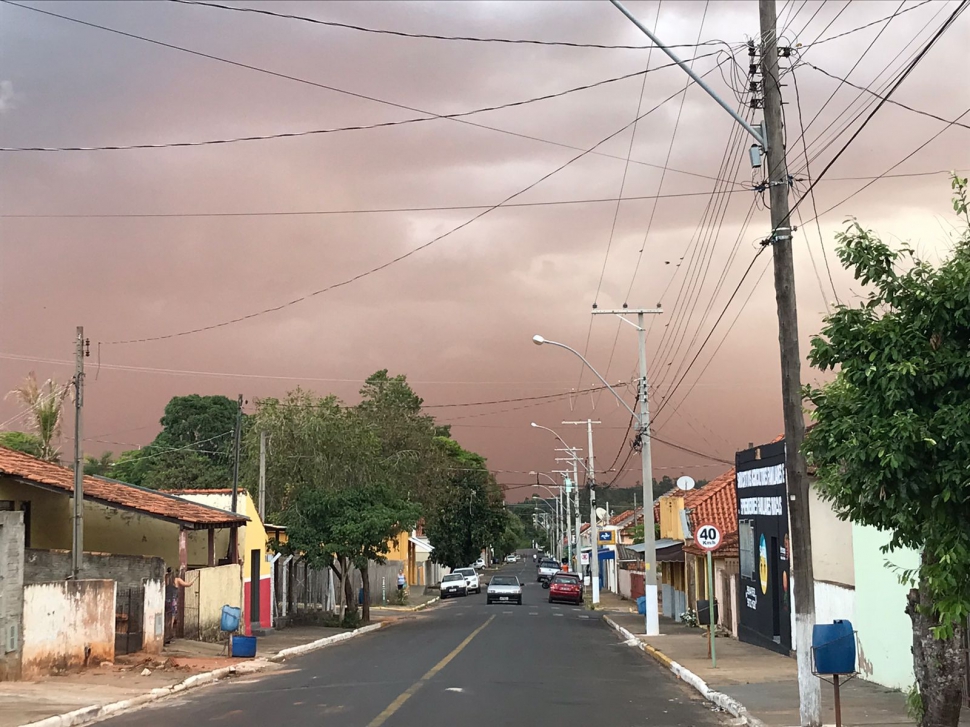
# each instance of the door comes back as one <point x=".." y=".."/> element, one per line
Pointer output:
<point x="254" y="563"/>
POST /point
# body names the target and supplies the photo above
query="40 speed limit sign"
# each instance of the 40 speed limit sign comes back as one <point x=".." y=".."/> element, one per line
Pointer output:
<point x="708" y="537"/>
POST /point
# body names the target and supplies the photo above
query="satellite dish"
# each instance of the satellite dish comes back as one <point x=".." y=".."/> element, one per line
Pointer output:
<point x="685" y="483"/>
<point x="600" y="513"/>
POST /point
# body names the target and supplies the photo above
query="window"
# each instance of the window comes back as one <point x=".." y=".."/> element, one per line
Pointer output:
<point x="6" y="506"/>
<point x="746" y="548"/>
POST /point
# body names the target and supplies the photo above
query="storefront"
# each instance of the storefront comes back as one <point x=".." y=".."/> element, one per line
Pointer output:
<point x="764" y="596"/>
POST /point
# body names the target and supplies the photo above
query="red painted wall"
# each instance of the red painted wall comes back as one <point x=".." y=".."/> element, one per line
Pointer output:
<point x="265" y="614"/>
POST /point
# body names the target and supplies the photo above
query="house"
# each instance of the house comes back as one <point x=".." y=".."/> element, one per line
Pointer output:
<point x="253" y="546"/>
<point x="683" y="580"/>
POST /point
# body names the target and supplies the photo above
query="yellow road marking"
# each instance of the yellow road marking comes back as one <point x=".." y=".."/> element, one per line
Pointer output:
<point x="410" y="691"/>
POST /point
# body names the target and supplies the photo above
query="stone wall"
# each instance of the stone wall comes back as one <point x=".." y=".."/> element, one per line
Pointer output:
<point x="128" y="571"/>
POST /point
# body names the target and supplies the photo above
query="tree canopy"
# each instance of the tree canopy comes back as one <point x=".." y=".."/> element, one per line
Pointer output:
<point x="891" y="440"/>
<point x="23" y="442"/>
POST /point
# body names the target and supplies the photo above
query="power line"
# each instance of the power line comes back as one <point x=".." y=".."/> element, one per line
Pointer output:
<point x="865" y="89"/>
<point x="397" y="259"/>
<point x="326" y="87"/>
<point x="428" y="36"/>
<point x="867" y="25"/>
<point x="443" y="208"/>
<point x="337" y="129"/>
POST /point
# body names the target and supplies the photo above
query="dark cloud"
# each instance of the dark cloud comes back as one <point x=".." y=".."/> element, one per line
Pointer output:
<point x="457" y="317"/>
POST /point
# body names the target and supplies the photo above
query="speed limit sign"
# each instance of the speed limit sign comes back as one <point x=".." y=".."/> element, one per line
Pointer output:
<point x="708" y="537"/>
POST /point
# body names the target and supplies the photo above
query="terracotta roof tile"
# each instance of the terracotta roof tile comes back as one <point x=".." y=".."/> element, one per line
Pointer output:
<point x="114" y="493"/>
<point x="715" y="503"/>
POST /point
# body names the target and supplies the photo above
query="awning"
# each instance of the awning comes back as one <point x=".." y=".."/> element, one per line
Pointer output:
<point x="668" y="550"/>
<point x="421" y="544"/>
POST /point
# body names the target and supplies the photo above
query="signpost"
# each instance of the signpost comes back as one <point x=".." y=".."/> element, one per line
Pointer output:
<point x="708" y="537"/>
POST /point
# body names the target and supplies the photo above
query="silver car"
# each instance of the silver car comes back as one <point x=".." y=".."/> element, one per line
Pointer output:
<point x="504" y="589"/>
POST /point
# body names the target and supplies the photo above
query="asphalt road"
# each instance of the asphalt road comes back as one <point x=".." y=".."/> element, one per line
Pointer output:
<point x="460" y="663"/>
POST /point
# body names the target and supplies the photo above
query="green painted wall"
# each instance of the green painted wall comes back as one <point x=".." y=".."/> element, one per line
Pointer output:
<point x="884" y="632"/>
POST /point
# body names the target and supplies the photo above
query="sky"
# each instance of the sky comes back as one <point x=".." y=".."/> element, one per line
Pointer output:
<point x="157" y="243"/>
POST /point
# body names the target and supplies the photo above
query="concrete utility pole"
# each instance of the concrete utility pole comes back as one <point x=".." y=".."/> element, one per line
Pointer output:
<point x="771" y="140"/>
<point x="652" y="610"/>
<point x="262" y="475"/>
<point x="81" y="349"/>
<point x="803" y="574"/>
<point x="573" y="500"/>
<point x="594" y="561"/>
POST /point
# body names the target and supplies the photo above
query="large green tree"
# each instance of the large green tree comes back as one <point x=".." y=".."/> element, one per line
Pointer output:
<point x="468" y="514"/>
<point x="891" y="441"/>
<point x="194" y="450"/>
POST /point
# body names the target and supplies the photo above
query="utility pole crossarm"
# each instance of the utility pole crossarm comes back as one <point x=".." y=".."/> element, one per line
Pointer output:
<point x="696" y="78"/>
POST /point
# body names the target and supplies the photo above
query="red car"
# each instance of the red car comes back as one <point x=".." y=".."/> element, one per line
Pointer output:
<point x="566" y="587"/>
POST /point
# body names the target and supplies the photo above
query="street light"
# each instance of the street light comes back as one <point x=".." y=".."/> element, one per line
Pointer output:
<point x="651" y="615"/>
<point x="560" y="526"/>
<point x="552" y="535"/>
<point x="574" y="538"/>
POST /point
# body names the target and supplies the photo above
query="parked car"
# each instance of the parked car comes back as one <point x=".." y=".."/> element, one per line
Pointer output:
<point x="453" y="584"/>
<point x="471" y="579"/>
<point x="479" y="564"/>
<point x="547" y="569"/>
<point x="504" y="589"/>
<point x="510" y="559"/>
<point x="566" y="587"/>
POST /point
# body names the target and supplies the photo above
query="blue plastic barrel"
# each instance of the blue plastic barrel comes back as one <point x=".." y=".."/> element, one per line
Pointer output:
<point x="230" y="618"/>
<point x="834" y="648"/>
<point x="244" y="646"/>
<point x="642" y="605"/>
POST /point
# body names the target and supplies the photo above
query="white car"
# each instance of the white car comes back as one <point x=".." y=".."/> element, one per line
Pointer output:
<point x="480" y="563"/>
<point x="471" y="579"/>
<point x="453" y="584"/>
<point x="510" y="559"/>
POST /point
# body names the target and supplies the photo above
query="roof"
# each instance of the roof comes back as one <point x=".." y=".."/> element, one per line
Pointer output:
<point x="729" y="547"/>
<point x="113" y="493"/>
<point x="423" y="545"/>
<point x="716" y="503"/>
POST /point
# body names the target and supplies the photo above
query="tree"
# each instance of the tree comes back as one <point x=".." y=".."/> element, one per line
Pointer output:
<point x="350" y="523"/>
<point x="44" y="408"/>
<point x="512" y="536"/>
<point x="891" y="440"/>
<point x="194" y="450"/>
<point x="469" y="513"/>
<point x="98" y="465"/>
<point x="22" y="442"/>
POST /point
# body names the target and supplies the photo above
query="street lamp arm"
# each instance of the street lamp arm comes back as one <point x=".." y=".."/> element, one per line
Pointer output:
<point x="540" y="340"/>
<point x="553" y="432"/>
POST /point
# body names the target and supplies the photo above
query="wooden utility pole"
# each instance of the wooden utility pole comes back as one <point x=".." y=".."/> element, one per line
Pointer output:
<point x="803" y="575"/>
<point x="81" y="349"/>
<point x="262" y="475"/>
<point x="234" y="530"/>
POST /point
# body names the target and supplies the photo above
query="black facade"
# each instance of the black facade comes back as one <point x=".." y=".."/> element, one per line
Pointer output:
<point x="764" y="595"/>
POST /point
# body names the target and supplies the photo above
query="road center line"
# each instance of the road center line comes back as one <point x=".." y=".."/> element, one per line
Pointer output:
<point x="412" y="690"/>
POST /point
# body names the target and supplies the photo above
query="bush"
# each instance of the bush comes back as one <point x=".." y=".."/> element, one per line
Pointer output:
<point x="399" y="597"/>
<point x="351" y="620"/>
<point x="689" y="618"/>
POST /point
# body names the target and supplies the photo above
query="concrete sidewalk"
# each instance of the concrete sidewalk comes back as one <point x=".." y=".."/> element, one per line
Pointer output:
<point x="764" y="682"/>
<point x="22" y="703"/>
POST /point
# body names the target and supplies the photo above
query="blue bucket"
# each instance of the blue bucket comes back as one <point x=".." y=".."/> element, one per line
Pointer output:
<point x="230" y="618"/>
<point x="834" y="648"/>
<point x="244" y="646"/>
<point x="642" y="605"/>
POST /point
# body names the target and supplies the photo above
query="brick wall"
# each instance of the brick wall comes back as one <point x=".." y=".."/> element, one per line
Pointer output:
<point x="11" y="594"/>
<point x="128" y="571"/>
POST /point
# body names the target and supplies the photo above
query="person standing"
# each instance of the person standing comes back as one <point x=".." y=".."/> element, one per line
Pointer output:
<point x="174" y="587"/>
<point x="401" y="581"/>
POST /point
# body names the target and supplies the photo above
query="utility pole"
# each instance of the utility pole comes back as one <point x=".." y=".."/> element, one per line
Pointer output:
<point x="262" y="475"/>
<point x="234" y="531"/>
<point x="82" y="348"/>
<point x="803" y="574"/>
<point x="573" y="500"/>
<point x="771" y="140"/>
<point x="652" y="611"/>
<point x="594" y="561"/>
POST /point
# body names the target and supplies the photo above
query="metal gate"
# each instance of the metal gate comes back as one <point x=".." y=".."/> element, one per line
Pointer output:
<point x="129" y="616"/>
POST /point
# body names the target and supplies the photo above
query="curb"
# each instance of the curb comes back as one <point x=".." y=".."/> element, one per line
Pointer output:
<point x="95" y="712"/>
<point x="408" y="609"/>
<point x="719" y="699"/>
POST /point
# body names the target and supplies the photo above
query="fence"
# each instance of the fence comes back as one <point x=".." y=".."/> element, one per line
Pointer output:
<point x="211" y="589"/>
<point x="300" y="590"/>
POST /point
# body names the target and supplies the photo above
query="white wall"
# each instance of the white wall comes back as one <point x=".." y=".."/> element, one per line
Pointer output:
<point x="67" y="625"/>
<point x="623" y="580"/>
<point x="831" y="544"/>
<point x="153" y="624"/>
